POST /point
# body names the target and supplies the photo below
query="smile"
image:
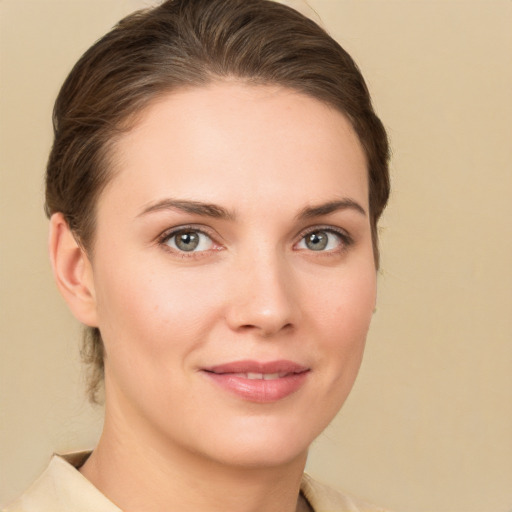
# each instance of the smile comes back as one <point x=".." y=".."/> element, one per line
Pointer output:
<point x="259" y="382"/>
<point x="260" y="376"/>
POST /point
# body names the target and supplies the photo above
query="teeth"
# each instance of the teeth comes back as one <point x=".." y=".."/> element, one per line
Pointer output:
<point x="261" y="376"/>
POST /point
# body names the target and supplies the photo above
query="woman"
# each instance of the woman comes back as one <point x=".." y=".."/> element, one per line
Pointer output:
<point x="214" y="189"/>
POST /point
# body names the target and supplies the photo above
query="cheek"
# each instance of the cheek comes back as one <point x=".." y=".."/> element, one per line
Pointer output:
<point x="152" y="311"/>
<point x="346" y="302"/>
<point x="342" y="317"/>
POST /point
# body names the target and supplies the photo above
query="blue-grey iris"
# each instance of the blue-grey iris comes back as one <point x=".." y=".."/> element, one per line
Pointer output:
<point x="317" y="241"/>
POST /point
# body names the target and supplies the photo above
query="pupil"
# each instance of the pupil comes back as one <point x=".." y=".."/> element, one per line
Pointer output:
<point x="317" y="241"/>
<point x="187" y="241"/>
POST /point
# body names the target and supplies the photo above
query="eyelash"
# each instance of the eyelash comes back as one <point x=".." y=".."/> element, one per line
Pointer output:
<point x="345" y="240"/>
<point x="166" y="236"/>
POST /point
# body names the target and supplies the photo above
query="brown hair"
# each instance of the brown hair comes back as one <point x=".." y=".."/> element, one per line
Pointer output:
<point x="186" y="43"/>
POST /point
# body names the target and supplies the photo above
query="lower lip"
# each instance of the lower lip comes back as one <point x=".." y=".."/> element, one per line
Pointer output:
<point x="260" y="390"/>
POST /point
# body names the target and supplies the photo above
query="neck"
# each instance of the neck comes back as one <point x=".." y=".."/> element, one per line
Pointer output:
<point x="141" y="471"/>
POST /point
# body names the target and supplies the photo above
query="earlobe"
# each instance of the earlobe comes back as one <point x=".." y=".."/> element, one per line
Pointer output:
<point x="72" y="271"/>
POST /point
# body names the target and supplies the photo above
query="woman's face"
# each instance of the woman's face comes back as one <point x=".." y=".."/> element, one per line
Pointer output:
<point x="233" y="273"/>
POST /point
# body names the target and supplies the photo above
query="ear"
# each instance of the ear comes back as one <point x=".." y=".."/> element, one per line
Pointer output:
<point x="72" y="271"/>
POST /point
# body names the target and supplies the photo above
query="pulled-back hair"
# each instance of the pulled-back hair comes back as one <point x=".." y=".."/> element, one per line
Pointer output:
<point x="192" y="43"/>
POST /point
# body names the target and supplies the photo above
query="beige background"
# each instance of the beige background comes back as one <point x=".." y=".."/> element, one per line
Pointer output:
<point x="429" y="424"/>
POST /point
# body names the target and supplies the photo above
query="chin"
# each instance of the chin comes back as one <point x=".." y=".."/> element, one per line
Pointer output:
<point x="263" y="455"/>
<point x="265" y="443"/>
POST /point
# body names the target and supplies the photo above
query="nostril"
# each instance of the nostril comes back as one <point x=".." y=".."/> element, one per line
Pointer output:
<point x="267" y="331"/>
<point x="263" y="301"/>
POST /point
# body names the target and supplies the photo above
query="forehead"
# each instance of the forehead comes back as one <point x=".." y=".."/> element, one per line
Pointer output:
<point x="236" y="142"/>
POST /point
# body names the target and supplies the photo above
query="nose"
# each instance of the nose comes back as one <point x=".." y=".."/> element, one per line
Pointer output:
<point x="263" y="300"/>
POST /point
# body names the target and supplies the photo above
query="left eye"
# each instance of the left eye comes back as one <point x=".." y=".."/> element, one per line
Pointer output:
<point x="189" y="240"/>
<point x="320" y="240"/>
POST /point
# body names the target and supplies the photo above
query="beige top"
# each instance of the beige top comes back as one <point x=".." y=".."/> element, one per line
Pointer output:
<point x="62" y="488"/>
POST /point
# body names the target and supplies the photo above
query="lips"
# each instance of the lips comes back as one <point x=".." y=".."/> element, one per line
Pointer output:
<point x="260" y="382"/>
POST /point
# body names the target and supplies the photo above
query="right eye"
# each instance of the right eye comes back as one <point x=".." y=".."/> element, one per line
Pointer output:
<point x="188" y="240"/>
<point x="324" y="240"/>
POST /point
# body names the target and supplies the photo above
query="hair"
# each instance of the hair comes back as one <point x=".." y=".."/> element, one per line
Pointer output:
<point x="192" y="43"/>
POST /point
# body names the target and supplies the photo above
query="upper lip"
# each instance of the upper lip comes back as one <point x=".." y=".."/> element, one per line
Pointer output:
<point x="249" y="366"/>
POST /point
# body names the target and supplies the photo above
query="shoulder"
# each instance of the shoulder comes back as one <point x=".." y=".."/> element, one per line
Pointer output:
<point x="62" y="488"/>
<point x="325" y="499"/>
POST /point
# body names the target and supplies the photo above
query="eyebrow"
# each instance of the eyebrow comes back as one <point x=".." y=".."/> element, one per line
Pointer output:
<point x="218" y="212"/>
<point x="330" y="207"/>
<point x="194" y="207"/>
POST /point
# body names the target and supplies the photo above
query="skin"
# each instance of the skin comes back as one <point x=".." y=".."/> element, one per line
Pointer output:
<point x="267" y="158"/>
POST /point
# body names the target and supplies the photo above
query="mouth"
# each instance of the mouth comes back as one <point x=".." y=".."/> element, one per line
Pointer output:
<point x="260" y="376"/>
<point x="260" y="382"/>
